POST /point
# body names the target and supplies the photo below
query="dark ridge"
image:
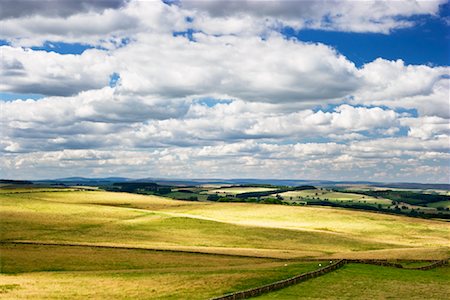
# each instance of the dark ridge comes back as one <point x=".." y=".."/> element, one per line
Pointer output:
<point x="10" y="181"/>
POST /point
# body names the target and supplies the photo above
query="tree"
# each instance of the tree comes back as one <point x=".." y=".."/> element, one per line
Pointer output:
<point x="213" y="197"/>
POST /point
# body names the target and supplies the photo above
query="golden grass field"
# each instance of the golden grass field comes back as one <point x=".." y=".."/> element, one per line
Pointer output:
<point x="253" y="237"/>
<point x="239" y="190"/>
<point x="54" y="272"/>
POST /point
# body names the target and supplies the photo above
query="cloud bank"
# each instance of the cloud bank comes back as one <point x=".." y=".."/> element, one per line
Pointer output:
<point x="214" y="89"/>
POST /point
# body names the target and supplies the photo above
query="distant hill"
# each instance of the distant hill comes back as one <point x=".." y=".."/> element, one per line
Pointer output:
<point x="237" y="181"/>
<point x="422" y="186"/>
<point x="10" y="181"/>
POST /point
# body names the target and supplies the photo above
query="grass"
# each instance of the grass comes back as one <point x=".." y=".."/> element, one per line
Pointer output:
<point x="440" y="204"/>
<point x="120" y="219"/>
<point x="11" y="190"/>
<point x="41" y="220"/>
<point x="356" y="281"/>
<point x="186" y="196"/>
<point x="403" y="232"/>
<point x="29" y="271"/>
<point x="239" y="190"/>
<point x="150" y="221"/>
<point x="333" y="197"/>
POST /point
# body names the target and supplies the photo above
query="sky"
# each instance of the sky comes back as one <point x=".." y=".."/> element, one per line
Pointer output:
<point x="330" y="90"/>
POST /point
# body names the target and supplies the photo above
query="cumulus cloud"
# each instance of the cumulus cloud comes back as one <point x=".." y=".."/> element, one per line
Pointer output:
<point x="204" y="91"/>
<point x="394" y="84"/>
<point x="386" y="79"/>
<point x="106" y="28"/>
<point x="107" y="22"/>
<point x="250" y="68"/>
<point x="106" y="118"/>
<point x="60" y="8"/>
<point x="427" y="127"/>
<point x="433" y="101"/>
<point x="91" y="119"/>
<point x="351" y="16"/>
<point x="49" y="73"/>
<point x="244" y="159"/>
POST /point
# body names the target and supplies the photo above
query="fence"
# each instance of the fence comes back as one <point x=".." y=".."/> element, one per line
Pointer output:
<point x="299" y="278"/>
<point x="431" y="266"/>
<point x="282" y="283"/>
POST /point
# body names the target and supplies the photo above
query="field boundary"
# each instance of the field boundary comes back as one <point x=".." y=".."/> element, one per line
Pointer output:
<point x="436" y="264"/>
<point x="38" y="243"/>
<point x="385" y="263"/>
<point x="282" y="283"/>
<point x="322" y="271"/>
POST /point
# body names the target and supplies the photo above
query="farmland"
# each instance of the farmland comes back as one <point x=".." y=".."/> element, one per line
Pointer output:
<point x="157" y="247"/>
<point x="415" y="203"/>
<point x="308" y="195"/>
<point x="445" y="204"/>
<point x="355" y="281"/>
<point x="80" y="272"/>
<point x="239" y="190"/>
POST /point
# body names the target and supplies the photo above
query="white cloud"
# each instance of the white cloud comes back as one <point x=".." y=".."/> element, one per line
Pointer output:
<point x="22" y="8"/>
<point x="351" y="16"/>
<point x="290" y="109"/>
<point x="105" y="118"/>
<point x="434" y="100"/>
<point x="246" y="68"/>
<point x="105" y="27"/>
<point x="40" y="72"/>
<point x="427" y="127"/>
<point x="393" y="80"/>
<point x="243" y="159"/>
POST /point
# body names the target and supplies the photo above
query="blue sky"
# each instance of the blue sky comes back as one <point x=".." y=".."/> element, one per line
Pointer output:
<point x="426" y="43"/>
<point x="278" y="91"/>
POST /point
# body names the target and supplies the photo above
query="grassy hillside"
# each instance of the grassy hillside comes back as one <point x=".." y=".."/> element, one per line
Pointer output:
<point x="253" y="236"/>
<point x="99" y="217"/>
<point x="31" y="271"/>
<point x="356" y="281"/>
<point x="331" y="223"/>
<point x="150" y="221"/>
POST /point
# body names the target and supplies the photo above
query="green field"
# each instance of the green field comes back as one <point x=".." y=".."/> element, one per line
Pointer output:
<point x="248" y="237"/>
<point x="356" y="281"/>
<point x="306" y="195"/>
<point x="445" y="204"/>
<point x="32" y="271"/>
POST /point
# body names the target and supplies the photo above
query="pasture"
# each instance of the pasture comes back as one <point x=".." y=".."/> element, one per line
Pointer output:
<point x="31" y="271"/>
<point x="239" y="190"/>
<point x="184" y="248"/>
<point x="306" y="195"/>
<point x="357" y="281"/>
<point x="444" y="204"/>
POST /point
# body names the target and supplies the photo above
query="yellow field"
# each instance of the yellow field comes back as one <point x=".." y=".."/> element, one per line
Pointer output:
<point x="239" y="190"/>
<point x="150" y="221"/>
<point x="90" y="218"/>
<point x="55" y="272"/>
<point x="394" y="231"/>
